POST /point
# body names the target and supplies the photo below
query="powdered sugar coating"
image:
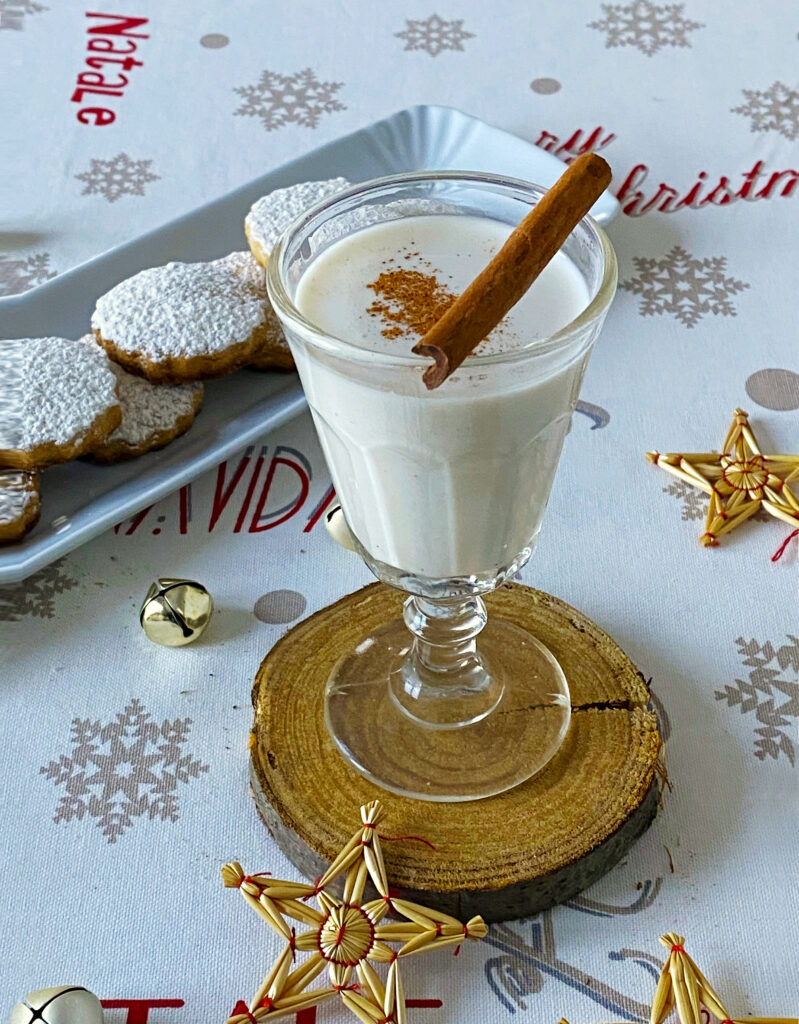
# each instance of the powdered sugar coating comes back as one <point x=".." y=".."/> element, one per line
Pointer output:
<point x="148" y="410"/>
<point x="19" y="492"/>
<point x="245" y="266"/>
<point x="275" y="338"/>
<point x="272" y="214"/>
<point x="250" y="270"/>
<point x="55" y="390"/>
<point x="183" y="309"/>
<point x="348" y="222"/>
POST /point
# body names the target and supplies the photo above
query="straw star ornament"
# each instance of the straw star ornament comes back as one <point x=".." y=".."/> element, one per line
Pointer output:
<point x="682" y="985"/>
<point x="344" y="935"/>
<point x="739" y="480"/>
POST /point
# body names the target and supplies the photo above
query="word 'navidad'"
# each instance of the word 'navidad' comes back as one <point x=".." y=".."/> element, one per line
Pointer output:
<point x="263" y="493"/>
<point x="110" y="49"/>
<point x="756" y="183"/>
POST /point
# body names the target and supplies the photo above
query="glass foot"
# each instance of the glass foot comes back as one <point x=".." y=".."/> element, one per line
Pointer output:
<point x="425" y="732"/>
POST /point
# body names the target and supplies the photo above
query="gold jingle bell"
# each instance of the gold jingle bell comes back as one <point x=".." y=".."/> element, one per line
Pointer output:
<point x="175" y="612"/>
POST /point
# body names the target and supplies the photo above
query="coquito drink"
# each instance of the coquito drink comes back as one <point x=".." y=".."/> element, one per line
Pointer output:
<point x="451" y="482"/>
<point x="441" y="322"/>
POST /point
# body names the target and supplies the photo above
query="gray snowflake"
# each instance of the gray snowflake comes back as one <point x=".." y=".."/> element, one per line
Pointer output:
<point x="279" y="100"/>
<point x="684" y="286"/>
<point x="645" y="25"/>
<point x="19" y="273"/>
<point x="772" y="110"/>
<point x="695" y="503"/>
<point x="12" y="13"/>
<point x="124" y="770"/>
<point x="119" y="176"/>
<point x="35" y="596"/>
<point x="434" y="34"/>
<point x="769" y="694"/>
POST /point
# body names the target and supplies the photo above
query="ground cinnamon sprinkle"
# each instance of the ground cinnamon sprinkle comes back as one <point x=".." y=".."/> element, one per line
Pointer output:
<point x="409" y="302"/>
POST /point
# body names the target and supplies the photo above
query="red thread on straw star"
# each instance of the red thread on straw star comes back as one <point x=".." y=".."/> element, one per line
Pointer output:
<point x="739" y="480"/>
<point x="345" y="936"/>
<point x="775" y="558"/>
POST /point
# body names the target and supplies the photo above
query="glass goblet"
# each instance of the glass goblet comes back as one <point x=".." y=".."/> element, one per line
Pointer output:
<point x="444" y="492"/>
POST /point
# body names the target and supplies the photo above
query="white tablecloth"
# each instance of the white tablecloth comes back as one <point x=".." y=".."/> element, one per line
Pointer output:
<point x="124" y="765"/>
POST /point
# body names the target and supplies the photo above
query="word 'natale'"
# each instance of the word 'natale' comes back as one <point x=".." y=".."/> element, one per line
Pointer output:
<point x="110" y="47"/>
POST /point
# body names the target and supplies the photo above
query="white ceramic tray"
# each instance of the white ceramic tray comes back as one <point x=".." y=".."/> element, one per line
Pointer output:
<point x="80" y="500"/>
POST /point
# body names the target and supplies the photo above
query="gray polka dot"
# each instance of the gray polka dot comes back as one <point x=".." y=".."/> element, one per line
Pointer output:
<point x="774" y="389"/>
<point x="214" y="41"/>
<point x="280" y="606"/>
<point x="545" y="86"/>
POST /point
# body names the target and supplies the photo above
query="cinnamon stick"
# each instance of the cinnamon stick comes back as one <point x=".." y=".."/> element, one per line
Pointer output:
<point x="510" y="273"/>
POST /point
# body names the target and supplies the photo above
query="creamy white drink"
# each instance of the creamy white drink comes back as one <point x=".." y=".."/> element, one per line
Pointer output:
<point x="451" y="482"/>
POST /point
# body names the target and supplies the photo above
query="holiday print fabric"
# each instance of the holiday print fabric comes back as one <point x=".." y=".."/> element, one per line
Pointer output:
<point x="125" y="764"/>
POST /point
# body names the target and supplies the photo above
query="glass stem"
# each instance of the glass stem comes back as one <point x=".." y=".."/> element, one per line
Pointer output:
<point x="445" y="635"/>
<point x="444" y="682"/>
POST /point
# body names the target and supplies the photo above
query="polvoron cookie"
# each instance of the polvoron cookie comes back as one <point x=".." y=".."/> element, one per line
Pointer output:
<point x="19" y="504"/>
<point x="59" y="401"/>
<point x="183" y="321"/>
<point x="152" y="414"/>
<point x="273" y="353"/>
<point x="271" y="214"/>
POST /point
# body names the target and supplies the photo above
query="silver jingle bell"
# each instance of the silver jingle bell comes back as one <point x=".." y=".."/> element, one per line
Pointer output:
<point x="336" y="525"/>
<point x="65" y="1004"/>
<point x="175" y="612"/>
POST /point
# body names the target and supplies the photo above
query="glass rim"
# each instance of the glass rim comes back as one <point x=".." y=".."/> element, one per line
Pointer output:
<point x="288" y="311"/>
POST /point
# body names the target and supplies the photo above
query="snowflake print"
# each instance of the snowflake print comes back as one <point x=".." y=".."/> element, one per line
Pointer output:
<point x="35" y="596"/>
<point x="771" y="692"/>
<point x="645" y="25"/>
<point x="434" y="35"/>
<point x="12" y="13"/>
<point x="126" y="769"/>
<point x="18" y="274"/>
<point x="684" y="286"/>
<point x="119" y="176"/>
<point x="695" y="502"/>
<point x="772" y="110"/>
<point x="279" y="100"/>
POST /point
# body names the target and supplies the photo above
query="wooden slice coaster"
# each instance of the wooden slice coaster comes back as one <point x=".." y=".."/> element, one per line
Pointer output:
<point x="504" y="857"/>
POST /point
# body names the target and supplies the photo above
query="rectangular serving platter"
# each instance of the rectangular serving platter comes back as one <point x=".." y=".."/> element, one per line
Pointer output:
<point x="81" y="500"/>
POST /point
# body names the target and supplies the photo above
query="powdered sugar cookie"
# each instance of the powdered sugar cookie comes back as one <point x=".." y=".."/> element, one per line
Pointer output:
<point x="271" y="215"/>
<point x="19" y="504"/>
<point x="60" y="401"/>
<point x="183" y="321"/>
<point x="273" y="353"/>
<point x="152" y="414"/>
